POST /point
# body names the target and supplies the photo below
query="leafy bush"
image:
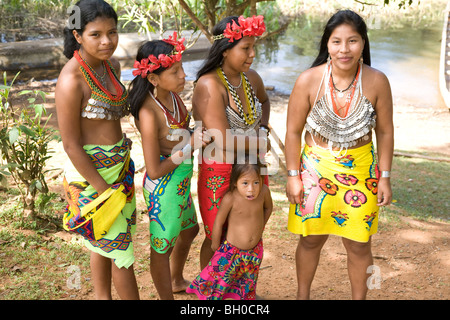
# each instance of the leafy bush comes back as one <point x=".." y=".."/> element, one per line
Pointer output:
<point x="24" y="144"/>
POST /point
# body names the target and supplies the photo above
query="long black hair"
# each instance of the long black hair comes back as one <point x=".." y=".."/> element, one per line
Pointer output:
<point x="217" y="49"/>
<point x="83" y="12"/>
<point x="343" y="17"/>
<point x="139" y="87"/>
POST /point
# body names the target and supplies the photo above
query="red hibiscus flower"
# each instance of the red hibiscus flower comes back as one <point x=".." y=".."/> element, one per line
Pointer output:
<point x="253" y="26"/>
<point x="165" y="60"/>
<point x="355" y="198"/>
<point x="233" y="32"/>
<point x="141" y="68"/>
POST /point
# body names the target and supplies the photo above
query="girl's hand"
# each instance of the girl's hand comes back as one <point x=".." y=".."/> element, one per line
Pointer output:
<point x="200" y="138"/>
<point x="294" y="190"/>
<point x="214" y="246"/>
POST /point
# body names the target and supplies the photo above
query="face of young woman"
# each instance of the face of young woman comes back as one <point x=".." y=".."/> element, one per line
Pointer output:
<point x="99" y="39"/>
<point x="172" y="79"/>
<point x="241" y="56"/>
<point x="249" y="185"/>
<point x="345" y="47"/>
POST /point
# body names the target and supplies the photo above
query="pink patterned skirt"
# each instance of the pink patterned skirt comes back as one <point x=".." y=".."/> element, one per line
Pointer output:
<point x="232" y="273"/>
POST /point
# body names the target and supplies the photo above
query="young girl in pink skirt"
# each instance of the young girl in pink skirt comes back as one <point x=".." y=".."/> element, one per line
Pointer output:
<point x="233" y="270"/>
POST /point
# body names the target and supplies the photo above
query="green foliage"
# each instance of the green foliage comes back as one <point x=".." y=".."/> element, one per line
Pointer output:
<point x="154" y="16"/>
<point x="24" y="144"/>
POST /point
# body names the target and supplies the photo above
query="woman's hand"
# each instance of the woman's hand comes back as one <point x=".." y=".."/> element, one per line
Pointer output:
<point x="294" y="189"/>
<point x="384" y="192"/>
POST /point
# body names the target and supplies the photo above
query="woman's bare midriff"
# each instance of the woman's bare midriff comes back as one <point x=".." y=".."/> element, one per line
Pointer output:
<point x="317" y="141"/>
<point x="100" y="132"/>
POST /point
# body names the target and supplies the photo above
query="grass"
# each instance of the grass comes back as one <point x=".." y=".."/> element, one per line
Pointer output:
<point x="420" y="188"/>
<point x="35" y="262"/>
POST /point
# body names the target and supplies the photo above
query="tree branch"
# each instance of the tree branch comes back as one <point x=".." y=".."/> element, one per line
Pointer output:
<point x="194" y="18"/>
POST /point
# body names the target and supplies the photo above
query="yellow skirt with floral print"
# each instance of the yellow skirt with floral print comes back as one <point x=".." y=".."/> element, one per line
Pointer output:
<point x="340" y="194"/>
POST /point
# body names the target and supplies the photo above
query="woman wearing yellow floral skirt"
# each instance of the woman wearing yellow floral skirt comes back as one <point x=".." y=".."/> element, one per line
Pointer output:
<point x="337" y="184"/>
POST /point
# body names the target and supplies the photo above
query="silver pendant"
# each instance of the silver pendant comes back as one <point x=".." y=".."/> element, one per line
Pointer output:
<point x="340" y="94"/>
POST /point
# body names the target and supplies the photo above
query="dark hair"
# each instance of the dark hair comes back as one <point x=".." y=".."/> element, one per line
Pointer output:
<point x="215" y="54"/>
<point x="88" y="11"/>
<point x="139" y="87"/>
<point x="343" y="17"/>
<point x="239" y="169"/>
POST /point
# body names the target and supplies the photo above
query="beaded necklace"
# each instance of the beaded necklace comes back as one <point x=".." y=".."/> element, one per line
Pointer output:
<point x="250" y="117"/>
<point x="350" y="95"/>
<point x="342" y="132"/>
<point x="102" y="103"/>
<point x="179" y="119"/>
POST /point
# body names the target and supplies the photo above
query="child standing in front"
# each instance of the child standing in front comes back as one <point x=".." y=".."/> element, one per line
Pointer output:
<point x="163" y="121"/>
<point x="233" y="270"/>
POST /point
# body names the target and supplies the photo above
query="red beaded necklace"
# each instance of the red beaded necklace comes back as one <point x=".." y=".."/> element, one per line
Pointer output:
<point x="92" y="74"/>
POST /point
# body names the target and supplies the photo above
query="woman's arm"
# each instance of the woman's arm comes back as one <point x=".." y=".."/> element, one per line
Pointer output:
<point x="297" y="112"/>
<point x="68" y="99"/>
<point x="385" y="135"/>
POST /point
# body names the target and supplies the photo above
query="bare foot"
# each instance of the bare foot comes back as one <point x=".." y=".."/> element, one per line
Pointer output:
<point x="180" y="286"/>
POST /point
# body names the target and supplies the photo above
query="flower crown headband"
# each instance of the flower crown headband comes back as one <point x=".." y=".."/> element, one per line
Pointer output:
<point x="252" y="26"/>
<point x="152" y="63"/>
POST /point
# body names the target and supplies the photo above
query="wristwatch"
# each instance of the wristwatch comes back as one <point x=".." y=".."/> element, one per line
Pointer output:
<point x="293" y="173"/>
<point x="385" y="174"/>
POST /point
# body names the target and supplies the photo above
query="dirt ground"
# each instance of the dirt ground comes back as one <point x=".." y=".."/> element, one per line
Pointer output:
<point x="412" y="257"/>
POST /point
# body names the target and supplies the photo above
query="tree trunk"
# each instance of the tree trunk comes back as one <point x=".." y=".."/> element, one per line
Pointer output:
<point x="28" y="206"/>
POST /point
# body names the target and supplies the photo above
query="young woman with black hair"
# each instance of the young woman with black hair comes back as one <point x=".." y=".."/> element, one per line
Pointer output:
<point x="168" y="145"/>
<point x="334" y="185"/>
<point x="231" y="102"/>
<point x="90" y="100"/>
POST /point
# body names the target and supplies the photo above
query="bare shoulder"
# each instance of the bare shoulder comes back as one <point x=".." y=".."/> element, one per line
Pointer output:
<point x="374" y="76"/>
<point x="227" y="198"/>
<point x="310" y="78"/>
<point x="208" y="81"/>
<point x="148" y="112"/>
<point x="265" y="190"/>
<point x="253" y="75"/>
<point x="70" y="80"/>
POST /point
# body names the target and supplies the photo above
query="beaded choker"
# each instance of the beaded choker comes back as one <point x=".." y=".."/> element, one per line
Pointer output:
<point x="250" y="117"/>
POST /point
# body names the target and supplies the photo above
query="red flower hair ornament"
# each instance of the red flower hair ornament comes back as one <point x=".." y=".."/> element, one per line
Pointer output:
<point x="152" y="63"/>
<point x="246" y="27"/>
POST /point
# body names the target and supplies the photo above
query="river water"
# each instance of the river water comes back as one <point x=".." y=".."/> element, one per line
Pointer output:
<point x="409" y="58"/>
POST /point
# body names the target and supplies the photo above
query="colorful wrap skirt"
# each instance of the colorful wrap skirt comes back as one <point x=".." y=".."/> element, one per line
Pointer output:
<point x="170" y="207"/>
<point x="340" y="194"/>
<point x="115" y="165"/>
<point x="231" y="273"/>
<point x="212" y="184"/>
